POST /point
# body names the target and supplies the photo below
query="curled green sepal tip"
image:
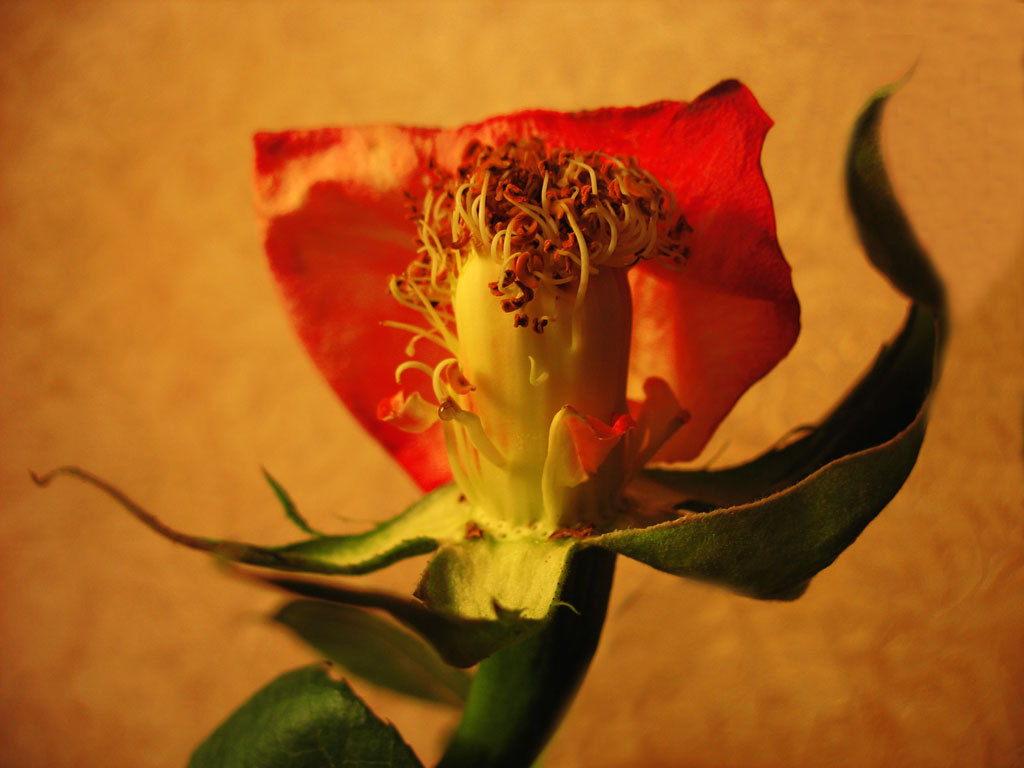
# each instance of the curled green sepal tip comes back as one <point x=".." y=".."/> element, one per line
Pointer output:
<point x="419" y="530"/>
<point x="767" y="526"/>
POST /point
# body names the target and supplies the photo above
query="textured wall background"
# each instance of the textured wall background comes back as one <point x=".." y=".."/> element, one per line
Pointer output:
<point x="142" y="338"/>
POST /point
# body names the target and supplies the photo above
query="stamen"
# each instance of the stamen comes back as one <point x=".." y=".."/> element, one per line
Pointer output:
<point x="440" y="390"/>
<point x="444" y="381"/>
<point x="412" y="365"/>
<point x="463" y="478"/>
<point x="419" y="333"/>
<point x="449" y="410"/>
<point x="522" y="198"/>
<point x="581" y="291"/>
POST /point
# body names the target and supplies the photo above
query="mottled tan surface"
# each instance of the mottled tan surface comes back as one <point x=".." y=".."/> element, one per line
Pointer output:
<point x="142" y="338"/>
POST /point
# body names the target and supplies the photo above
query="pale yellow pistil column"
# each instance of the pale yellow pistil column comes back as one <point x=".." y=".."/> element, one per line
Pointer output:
<point x="524" y="375"/>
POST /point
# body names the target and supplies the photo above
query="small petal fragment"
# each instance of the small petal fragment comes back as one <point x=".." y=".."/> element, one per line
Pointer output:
<point x="658" y="418"/>
<point x="578" y="445"/>
<point x="410" y="413"/>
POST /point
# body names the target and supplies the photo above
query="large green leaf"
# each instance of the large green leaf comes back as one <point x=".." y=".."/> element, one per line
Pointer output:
<point x="304" y="719"/>
<point x="437" y="517"/>
<point x="770" y="548"/>
<point x="769" y="525"/>
<point x="375" y="649"/>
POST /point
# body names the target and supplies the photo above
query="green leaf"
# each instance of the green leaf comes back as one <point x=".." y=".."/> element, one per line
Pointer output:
<point x="461" y="642"/>
<point x="437" y="517"/>
<point x="376" y="650"/>
<point x="771" y="524"/>
<point x="884" y="229"/>
<point x="477" y="595"/>
<point x="290" y="510"/>
<point x="304" y="719"/>
<point x="770" y="548"/>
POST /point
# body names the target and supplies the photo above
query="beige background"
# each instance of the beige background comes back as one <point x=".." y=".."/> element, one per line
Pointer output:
<point x="142" y="338"/>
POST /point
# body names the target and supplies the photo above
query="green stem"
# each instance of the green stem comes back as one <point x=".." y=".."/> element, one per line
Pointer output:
<point x="520" y="694"/>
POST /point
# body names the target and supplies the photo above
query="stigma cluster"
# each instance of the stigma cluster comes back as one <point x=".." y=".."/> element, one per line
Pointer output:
<point x="548" y="216"/>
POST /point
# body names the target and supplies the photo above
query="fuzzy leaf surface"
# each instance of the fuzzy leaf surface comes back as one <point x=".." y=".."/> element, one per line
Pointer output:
<point x="304" y="719"/>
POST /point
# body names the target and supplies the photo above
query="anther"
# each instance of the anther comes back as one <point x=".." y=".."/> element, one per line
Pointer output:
<point x="457" y="380"/>
<point x="584" y="531"/>
<point x="462" y="241"/>
<point x="448" y="410"/>
<point x="511" y="305"/>
<point x="527" y="290"/>
<point x="525" y="264"/>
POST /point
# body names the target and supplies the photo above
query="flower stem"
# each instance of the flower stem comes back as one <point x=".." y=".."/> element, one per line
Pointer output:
<point x="520" y="694"/>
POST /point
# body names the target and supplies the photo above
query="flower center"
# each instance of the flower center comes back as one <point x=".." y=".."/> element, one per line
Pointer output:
<point x="520" y="276"/>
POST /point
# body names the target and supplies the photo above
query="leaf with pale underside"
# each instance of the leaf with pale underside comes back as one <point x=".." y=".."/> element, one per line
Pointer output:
<point x="304" y="719"/>
<point x="766" y="527"/>
<point x="477" y="595"/>
<point x="437" y="518"/>
<point x="375" y="649"/>
<point x="461" y="642"/>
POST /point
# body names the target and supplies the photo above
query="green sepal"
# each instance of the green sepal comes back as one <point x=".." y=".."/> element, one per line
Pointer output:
<point x="371" y="647"/>
<point x="770" y="548"/>
<point x="420" y="529"/>
<point x="520" y="694"/>
<point x="769" y="525"/>
<point x="290" y="510"/>
<point x="883" y="227"/>
<point x="304" y="719"/>
<point x="491" y="577"/>
<point x="438" y="517"/>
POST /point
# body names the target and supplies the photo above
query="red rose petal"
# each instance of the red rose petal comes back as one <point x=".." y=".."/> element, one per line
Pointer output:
<point x="335" y="233"/>
<point x="336" y="230"/>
